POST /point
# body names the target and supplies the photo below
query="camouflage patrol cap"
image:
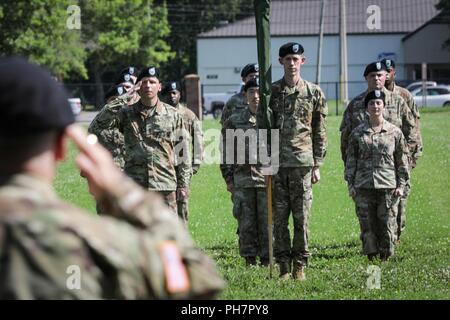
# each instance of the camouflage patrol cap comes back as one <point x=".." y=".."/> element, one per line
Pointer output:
<point x="115" y="91"/>
<point x="290" y="48"/>
<point x="249" y="68"/>
<point x="389" y="63"/>
<point x="375" y="94"/>
<point x="252" y="83"/>
<point x="32" y="102"/>
<point x="374" y="67"/>
<point x="172" y="86"/>
<point x="150" y="71"/>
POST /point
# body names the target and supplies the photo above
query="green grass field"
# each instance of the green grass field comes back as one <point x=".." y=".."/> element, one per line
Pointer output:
<point x="420" y="268"/>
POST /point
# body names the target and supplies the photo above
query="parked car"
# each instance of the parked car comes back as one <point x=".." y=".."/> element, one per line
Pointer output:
<point x="75" y="104"/>
<point x="437" y="96"/>
<point x="213" y="103"/>
<point x="418" y="84"/>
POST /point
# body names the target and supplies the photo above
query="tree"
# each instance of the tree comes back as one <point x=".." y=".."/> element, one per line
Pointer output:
<point x="444" y="6"/>
<point x="119" y="33"/>
<point x="37" y="30"/>
<point x="187" y="19"/>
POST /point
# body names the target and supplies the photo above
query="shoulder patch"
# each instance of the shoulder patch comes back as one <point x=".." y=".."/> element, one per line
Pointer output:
<point x="177" y="279"/>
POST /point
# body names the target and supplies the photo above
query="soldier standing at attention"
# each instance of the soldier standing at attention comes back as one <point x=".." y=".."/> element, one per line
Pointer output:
<point x="51" y="249"/>
<point x="151" y="131"/>
<point x="247" y="181"/>
<point x="407" y="96"/>
<point x="395" y="111"/>
<point x="376" y="171"/>
<point x="250" y="71"/>
<point x="195" y="139"/>
<point x="299" y="110"/>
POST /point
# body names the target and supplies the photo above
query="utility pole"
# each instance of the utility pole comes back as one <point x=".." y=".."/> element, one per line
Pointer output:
<point x="319" y="49"/>
<point x="343" y="51"/>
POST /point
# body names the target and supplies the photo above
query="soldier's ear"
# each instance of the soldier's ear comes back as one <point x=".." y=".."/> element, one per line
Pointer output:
<point x="60" y="146"/>
<point x="303" y="59"/>
<point x="280" y="60"/>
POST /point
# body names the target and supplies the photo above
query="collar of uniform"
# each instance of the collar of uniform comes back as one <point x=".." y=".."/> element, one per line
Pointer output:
<point x="298" y="86"/>
<point x="140" y="107"/>
<point x="384" y="127"/>
<point x="36" y="187"/>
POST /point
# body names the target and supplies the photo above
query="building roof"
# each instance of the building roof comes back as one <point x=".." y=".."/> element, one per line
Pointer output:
<point x="300" y="18"/>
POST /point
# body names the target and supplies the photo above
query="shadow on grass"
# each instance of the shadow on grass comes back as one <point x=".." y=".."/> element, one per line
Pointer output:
<point x="336" y="251"/>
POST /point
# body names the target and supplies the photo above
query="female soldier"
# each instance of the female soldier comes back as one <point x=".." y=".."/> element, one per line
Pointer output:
<point x="376" y="172"/>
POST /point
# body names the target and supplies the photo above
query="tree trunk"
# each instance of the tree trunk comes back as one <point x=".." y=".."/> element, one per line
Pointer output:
<point x="99" y="93"/>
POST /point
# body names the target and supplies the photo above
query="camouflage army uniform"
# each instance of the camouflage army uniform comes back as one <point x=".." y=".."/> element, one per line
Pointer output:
<point x="195" y="140"/>
<point x="150" y="136"/>
<point x="396" y="112"/>
<point x="300" y="115"/>
<point x="139" y="252"/>
<point x="407" y="96"/>
<point x="249" y="194"/>
<point x="377" y="164"/>
<point x="109" y="135"/>
<point x="237" y="101"/>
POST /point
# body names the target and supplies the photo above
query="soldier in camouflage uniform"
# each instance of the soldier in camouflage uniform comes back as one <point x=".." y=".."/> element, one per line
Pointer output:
<point x="152" y="129"/>
<point x="299" y="110"/>
<point x="237" y="101"/>
<point x="193" y="127"/>
<point x="50" y="249"/>
<point x="376" y="171"/>
<point x="395" y="112"/>
<point x="407" y="96"/>
<point x="246" y="180"/>
<point x="122" y="93"/>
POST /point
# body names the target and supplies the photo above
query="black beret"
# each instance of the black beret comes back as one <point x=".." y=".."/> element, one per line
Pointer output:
<point x="252" y="83"/>
<point x="375" y="94"/>
<point x="31" y="101"/>
<point x="115" y="91"/>
<point x="249" y="68"/>
<point x="389" y="63"/>
<point x="125" y="78"/>
<point x="290" y="48"/>
<point x="172" y="86"/>
<point x="374" y="67"/>
<point x="148" y="72"/>
<point x="125" y="75"/>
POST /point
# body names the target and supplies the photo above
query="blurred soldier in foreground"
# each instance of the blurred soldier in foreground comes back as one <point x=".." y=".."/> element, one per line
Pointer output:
<point x="407" y="96"/>
<point x="152" y="130"/>
<point x="376" y="170"/>
<point x="53" y="250"/>
<point x="395" y="111"/>
<point x="299" y="112"/>
<point x="237" y="101"/>
<point x="193" y="126"/>
<point x="246" y="180"/>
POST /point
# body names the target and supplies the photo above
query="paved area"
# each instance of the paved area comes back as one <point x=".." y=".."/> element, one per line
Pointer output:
<point x="85" y="117"/>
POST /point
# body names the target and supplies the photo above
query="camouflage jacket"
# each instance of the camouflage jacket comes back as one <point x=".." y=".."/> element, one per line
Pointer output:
<point x="396" y="112"/>
<point x="236" y="101"/>
<point x="150" y="136"/>
<point x="377" y="160"/>
<point x="300" y="115"/>
<point x="52" y="250"/>
<point x="245" y="173"/>
<point x="407" y="96"/>
<point x="193" y="127"/>
<point x="109" y="136"/>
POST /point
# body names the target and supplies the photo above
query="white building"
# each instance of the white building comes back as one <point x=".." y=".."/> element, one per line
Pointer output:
<point x="221" y="53"/>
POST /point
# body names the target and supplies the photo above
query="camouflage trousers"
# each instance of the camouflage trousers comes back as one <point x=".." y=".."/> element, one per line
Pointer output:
<point x="401" y="215"/>
<point x="292" y="193"/>
<point x="377" y="213"/>
<point x="250" y="210"/>
<point x="183" y="208"/>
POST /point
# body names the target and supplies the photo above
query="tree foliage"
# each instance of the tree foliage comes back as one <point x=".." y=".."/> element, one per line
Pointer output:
<point x="444" y="6"/>
<point x="37" y="30"/>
